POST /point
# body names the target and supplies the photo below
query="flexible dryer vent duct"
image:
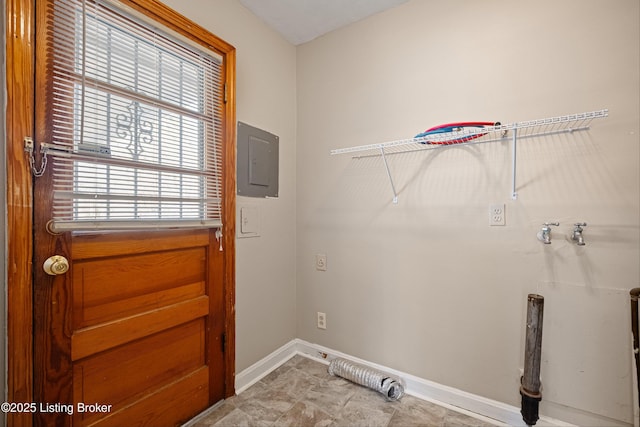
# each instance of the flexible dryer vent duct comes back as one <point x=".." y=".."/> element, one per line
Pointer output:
<point x="391" y="388"/>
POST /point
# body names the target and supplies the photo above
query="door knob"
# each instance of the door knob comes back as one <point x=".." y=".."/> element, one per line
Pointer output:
<point x="55" y="265"/>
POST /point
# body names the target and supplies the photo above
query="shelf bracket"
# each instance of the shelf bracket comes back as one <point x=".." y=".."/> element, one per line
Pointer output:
<point x="514" y="145"/>
<point x="386" y="165"/>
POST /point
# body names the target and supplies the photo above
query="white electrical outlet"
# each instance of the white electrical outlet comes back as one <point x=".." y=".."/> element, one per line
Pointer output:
<point x="321" y="262"/>
<point x="497" y="214"/>
<point x="322" y="320"/>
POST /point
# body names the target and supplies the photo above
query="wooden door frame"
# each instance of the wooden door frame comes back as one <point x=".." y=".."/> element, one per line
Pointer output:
<point x="20" y="74"/>
<point x="20" y="51"/>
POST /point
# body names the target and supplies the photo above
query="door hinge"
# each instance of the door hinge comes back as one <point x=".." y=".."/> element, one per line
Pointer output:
<point x="223" y="342"/>
<point x="225" y="93"/>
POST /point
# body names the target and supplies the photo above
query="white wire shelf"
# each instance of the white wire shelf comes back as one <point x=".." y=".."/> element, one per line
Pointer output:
<point x="477" y="135"/>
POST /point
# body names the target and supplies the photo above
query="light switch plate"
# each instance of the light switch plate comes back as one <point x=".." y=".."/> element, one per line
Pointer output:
<point x="249" y="222"/>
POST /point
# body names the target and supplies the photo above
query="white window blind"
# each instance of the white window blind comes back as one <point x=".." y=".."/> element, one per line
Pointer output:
<point x="135" y="123"/>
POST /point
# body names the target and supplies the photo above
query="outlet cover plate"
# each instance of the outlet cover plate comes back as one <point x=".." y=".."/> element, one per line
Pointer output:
<point x="322" y="320"/>
<point x="321" y="262"/>
<point x="497" y="214"/>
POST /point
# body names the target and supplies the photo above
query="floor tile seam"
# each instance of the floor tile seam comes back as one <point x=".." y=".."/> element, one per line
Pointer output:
<point x="312" y="384"/>
<point x="309" y="400"/>
<point x="398" y="413"/>
<point x="299" y="399"/>
<point x="275" y="423"/>
<point x="262" y="404"/>
<point x="202" y="418"/>
<point x="279" y="371"/>
<point x="395" y="410"/>
<point x="304" y="398"/>
<point x="295" y="398"/>
<point x="218" y="423"/>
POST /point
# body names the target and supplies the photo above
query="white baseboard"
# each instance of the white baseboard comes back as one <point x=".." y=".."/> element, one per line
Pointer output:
<point x="263" y="367"/>
<point x="458" y="400"/>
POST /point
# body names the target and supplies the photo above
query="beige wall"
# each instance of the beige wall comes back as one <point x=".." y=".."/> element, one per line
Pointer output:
<point x="426" y="286"/>
<point x="266" y="79"/>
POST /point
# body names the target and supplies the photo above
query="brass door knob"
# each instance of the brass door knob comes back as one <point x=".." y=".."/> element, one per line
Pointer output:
<point x="55" y="265"/>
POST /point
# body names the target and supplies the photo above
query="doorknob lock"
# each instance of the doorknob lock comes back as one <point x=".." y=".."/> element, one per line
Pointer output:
<point x="55" y="265"/>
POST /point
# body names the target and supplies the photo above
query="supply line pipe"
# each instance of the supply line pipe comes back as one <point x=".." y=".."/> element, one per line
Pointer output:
<point x="635" y="296"/>
<point x="391" y="388"/>
<point x="530" y="381"/>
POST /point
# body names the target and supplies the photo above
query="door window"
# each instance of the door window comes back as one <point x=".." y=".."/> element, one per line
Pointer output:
<point x="136" y="125"/>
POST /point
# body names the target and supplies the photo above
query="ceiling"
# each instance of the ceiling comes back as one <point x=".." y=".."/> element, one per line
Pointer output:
<point x="300" y="21"/>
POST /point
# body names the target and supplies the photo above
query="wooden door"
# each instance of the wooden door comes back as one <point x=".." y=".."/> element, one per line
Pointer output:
<point x="139" y="330"/>
<point x="132" y="333"/>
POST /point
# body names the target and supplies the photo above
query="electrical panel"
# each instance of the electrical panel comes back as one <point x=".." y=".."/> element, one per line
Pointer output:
<point x="257" y="162"/>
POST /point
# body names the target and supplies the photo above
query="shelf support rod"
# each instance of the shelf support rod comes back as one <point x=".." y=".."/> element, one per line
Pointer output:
<point x="386" y="165"/>
<point x="514" y="145"/>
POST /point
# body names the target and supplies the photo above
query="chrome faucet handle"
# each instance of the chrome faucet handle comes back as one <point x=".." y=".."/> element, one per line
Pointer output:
<point x="544" y="235"/>
<point x="576" y="236"/>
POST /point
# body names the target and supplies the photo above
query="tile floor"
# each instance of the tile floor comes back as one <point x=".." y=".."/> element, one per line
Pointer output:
<point x="301" y="393"/>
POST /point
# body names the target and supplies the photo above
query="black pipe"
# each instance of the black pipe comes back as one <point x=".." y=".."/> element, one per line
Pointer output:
<point x="635" y="294"/>
<point x="530" y="381"/>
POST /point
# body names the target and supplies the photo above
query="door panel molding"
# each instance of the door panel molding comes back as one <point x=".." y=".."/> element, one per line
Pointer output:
<point x="147" y="407"/>
<point x="86" y="342"/>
